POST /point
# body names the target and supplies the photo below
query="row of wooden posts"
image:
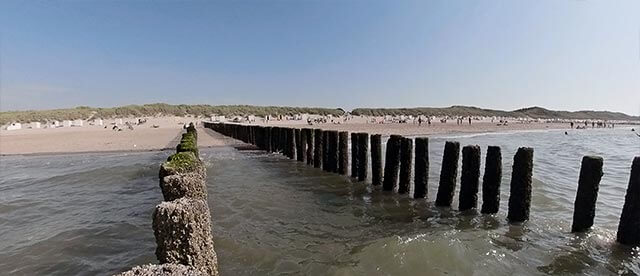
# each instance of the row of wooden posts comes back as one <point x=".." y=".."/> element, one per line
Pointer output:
<point x="329" y="150"/>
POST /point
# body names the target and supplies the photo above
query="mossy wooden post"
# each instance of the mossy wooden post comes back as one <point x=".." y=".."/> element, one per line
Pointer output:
<point x="376" y="159"/>
<point x="343" y="152"/>
<point x="325" y="151"/>
<point x="421" y="179"/>
<point x="309" y="146"/>
<point x="391" y="163"/>
<point x="363" y="155"/>
<point x="333" y="151"/>
<point x="354" y="155"/>
<point x="317" y="148"/>
<point x="521" y="177"/>
<point x="491" y="181"/>
<point x="629" y="227"/>
<point x="448" y="174"/>
<point x="584" y="208"/>
<point x="406" y="159"/>
<point x="470" y="179"/>
<point x="299" y="145"/>
<point x="291" y="143"/>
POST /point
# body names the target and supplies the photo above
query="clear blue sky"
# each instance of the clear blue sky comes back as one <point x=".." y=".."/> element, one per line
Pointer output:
<point x="569" y="55"/>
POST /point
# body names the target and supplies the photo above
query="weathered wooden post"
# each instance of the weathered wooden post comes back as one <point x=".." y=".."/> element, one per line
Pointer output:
<point x="354" y="154"/>
<point x="318" y="152"/>
<point x="470" y="179"/>
<point x="285" y="142"/>
<point x="274" y="139"/>
<point x="299" y="145"/>
<point x="391" y="163"/>
<point x="376" y="159"/>
<point x="629" y="227"/>
<point x="584" y="208"/>
<point x="309" y="146"/>
<point x="291" y="143"/>
<point x="325" y="151"/>
<point x="421" y="179"/>
<point x="520" y="197"/>
<point x="333" y="151"/>
<point x="491" y="181"/>
<point x="406" y="159"/>
<point x="448" y="174"/>
<point x="343" y="152"/>
<point x="363" y="155"/>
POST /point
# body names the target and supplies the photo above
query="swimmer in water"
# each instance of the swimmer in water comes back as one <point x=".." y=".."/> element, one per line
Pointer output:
<point x="565" y="133"/>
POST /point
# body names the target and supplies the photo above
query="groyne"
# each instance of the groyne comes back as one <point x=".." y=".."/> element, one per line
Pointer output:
<point x="401" y="159"/>
<point x="182" y="223"/>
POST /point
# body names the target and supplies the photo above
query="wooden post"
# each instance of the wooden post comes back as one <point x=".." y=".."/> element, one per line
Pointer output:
<point x="391" y="163"/>
<point x="333" y="151"/>
<point x="354" y="155"/>
<point x="325" y="151"/>
<point x="448" y="174"/>
<point x="470" y="179"/>
<point x="343" y="152"/>
<point x="491" y="181"/>
<point x="291" y="143"/>
<point x="584" y="208"/>
<point x="309" y="146"/>
<point x="520" y="197"/>
<point x="275" y="139"/>
<point x="629" y="227"/>
<point x="406" y="159"/>
<point x="317" y="148"/>
<point x="363" y="155"/>
<point x="376" y="159"/>
<point x="421" y="179"/>
<point x="300" y="150"/>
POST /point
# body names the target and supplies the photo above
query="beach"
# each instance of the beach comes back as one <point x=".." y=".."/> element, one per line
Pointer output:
<point x="144" y="137"/>
<point x="94" y="138"/>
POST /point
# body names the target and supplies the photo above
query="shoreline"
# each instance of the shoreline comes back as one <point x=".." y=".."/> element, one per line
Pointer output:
<point x="144" y="138"/>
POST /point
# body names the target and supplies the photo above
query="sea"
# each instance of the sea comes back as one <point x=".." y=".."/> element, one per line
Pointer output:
<point x="90" y="214"/>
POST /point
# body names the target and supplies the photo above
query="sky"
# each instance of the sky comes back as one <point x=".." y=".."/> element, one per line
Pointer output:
<point x="558" y="54"/>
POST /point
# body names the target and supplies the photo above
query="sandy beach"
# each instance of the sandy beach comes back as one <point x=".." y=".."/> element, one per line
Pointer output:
<point x="144" y="137"/>
<point x="92" y="138"/>
<point x="364" y="124"/>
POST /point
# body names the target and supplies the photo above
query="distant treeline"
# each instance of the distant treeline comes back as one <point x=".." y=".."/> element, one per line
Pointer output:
<point x="159" y="109"/>
<point x="531" y="112"/>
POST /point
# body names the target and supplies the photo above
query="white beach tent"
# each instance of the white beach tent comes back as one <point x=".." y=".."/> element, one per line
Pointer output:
<point x="14" y="126"/>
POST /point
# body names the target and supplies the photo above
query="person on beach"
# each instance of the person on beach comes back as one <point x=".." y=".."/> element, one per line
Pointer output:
<point x="420" y="121"/>
<point x="572" y="125"/>
<point x="469" y="120"/>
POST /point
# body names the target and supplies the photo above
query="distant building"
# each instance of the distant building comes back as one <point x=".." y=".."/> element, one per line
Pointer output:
<point x="35" y="124"/>
<point x="55" y="124"/>
<point x="14" y="126"/>
<point x="77" y="123"/>
<point x="67" y="123"/>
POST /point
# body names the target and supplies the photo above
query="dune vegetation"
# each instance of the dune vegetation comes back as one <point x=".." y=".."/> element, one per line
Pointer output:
<point x="158" y="109"/>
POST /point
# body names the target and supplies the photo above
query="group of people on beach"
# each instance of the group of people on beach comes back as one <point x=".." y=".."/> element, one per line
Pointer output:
<point x="599" y="124"/>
